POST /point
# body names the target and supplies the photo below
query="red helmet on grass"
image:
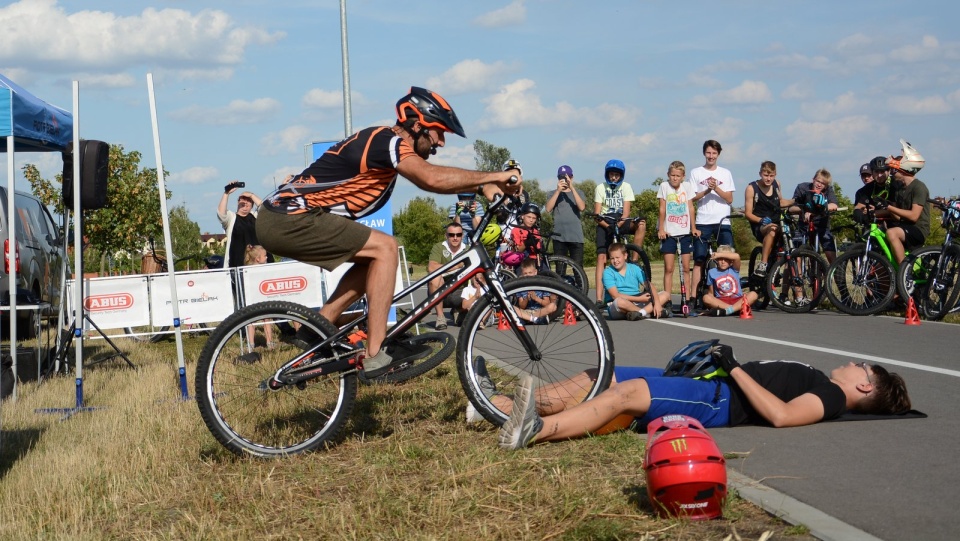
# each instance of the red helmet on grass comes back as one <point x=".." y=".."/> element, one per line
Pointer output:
<point x="686" y="472"/>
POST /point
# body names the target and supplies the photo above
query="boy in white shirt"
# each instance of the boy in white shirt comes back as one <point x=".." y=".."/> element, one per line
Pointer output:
<point x="714" y="187"/>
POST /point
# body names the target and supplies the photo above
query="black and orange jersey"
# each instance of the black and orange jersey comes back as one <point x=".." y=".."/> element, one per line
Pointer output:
<point x="354" y="178"/>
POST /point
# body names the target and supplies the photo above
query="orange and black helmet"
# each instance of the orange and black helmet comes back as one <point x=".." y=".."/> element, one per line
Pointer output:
<point x="430" y="109"/>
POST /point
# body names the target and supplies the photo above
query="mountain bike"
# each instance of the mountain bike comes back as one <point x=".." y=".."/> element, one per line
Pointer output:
<point x="565" y="267"/>
<point x="795" y="280"/>
<point x="930" y="274"/>
<point x="862" y="280"/>
<point x="618" y="233"/>
<point x="298" y="396"/>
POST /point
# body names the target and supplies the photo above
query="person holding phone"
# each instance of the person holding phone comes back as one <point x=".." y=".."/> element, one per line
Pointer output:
<point x="240" y="226"/>
<point x="468" y="213"/>
<point x="565" y="204"/>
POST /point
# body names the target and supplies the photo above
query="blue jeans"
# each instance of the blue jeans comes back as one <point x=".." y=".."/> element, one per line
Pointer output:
<point x="701" y="248"/>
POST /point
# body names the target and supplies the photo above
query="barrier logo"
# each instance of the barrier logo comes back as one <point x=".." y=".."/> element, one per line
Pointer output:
<point x="103" y="303"/>
<point x="280" y="286"/>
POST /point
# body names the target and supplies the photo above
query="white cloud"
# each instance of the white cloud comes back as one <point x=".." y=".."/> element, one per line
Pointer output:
<point x="236" y="112"/>
<point x="277" y="177"/>
<point x="928" y="48"/>
<point x="843" y="105"/>
<point x="194" y="175"/>
<point x="468" y="76"/>
<point x="41" y="35"/>
<point x="463" y="157"/>
<point x="516" y="106"/>
<point x="831" y="136"/>
<point x="291" y="139"/>
<point x="106" y="80"/>
<point x="618" y="145"/>
<point x="512" y="14"/>
<point x="913" y="105"/>
<point x="797" y="91"/>
<point x="747" y="93"/>
<point x="318" y="98"/>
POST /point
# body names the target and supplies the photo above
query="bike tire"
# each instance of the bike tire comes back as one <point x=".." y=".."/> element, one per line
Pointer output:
<point x="570" y="272"/>
<point x="861" y="283"/>
<point x="637" y="256"/>
<point x="915" y="271"/>
<point x="157" y="334"/>
<point x="939" y="300"/>
<point x="567" y="349"/>
<point x="805" y="271"/>
<point x="442" y="345"/>
<point x="757" y="284"/>
<point x="703" y="286"/>
<point x="238" y="408"/>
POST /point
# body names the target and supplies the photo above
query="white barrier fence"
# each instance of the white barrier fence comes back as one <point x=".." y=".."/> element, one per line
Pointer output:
<point x="131" y="303"/>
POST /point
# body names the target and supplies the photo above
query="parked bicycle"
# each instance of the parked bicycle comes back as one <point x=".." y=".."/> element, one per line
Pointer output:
<point x="297" y="397"/>
<point x="930" y="274"/>
<point x="618" y="233"/>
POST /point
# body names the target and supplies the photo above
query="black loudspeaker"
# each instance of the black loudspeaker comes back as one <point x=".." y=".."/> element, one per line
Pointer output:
<point x="94" y="169"/>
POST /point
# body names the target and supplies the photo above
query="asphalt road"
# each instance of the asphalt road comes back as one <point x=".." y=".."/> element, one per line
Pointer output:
<point x="893" y="479"/>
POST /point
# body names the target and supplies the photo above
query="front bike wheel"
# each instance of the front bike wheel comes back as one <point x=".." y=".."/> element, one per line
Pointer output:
<point x="861" y="282"/>
<point x="441" y="346"/>
<point x="239" y="400"/>
<point x="942" y="292"/>
<point x="915" y="271"/>
<point x="795" y="284"/>
<point x="570" y="272"/>
<point x="574" y="359"/>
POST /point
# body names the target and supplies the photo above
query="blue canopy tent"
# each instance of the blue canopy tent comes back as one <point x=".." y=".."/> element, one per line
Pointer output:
<point x="28" y="124"/>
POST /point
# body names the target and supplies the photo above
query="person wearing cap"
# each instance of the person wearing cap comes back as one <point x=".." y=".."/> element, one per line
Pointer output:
<point x="565" y="205"/>
<point x="725" y="296"/>
<point x="314" y="217"/>
<point x="866" y="175"/>
<point x="466" y="212"/>
<point x="240" y="226"/>
<point x="909" y="210"/>
<point x="874" y="191"/>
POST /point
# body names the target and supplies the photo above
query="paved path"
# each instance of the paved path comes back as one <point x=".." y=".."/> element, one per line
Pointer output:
<point x="894" y="479"/>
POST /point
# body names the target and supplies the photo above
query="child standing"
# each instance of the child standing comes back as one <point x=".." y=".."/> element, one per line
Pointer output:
<point x="676" y="224"/>
<point x="725" y="296"/>
<point x="762" y="202"/>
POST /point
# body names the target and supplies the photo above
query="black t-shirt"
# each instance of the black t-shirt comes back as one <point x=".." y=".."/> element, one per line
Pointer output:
<point x="786" y="380"/>
<point x="244" y="233"/>
<point x="873" y="190"/>
<point x="766" y="206"/>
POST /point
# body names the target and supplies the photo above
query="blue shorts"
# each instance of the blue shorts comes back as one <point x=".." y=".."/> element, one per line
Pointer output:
<point x="708" y="401"/>
<point x="701" y="247"/>
<point x="669" y="245"/>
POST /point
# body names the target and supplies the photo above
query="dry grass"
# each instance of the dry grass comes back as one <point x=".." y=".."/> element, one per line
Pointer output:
<point x="145" y="467"/>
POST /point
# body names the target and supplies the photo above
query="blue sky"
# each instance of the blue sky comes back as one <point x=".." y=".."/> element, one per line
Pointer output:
<point x="242" y="86"/>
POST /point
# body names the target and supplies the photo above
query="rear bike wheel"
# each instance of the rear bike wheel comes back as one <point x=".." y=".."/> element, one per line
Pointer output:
<point x="575" y="360"/>
<point x="757" y="283"/>
<point x="942" y="292"/>
<point x="796" y="284"/>
<point x="242" y="404"/>
<point x="637" y="256"/>
<point x="860" y="282"/>
<point x="570" y="272"/>
<point x="440" y="346"/>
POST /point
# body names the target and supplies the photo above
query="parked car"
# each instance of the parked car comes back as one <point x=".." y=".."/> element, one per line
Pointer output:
<point x="41" y="258"/>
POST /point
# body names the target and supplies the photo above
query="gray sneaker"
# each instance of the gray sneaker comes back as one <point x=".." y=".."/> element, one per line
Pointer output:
<point x="441" y="323"/>
<point x="487" y="387"/>
<point x="524" y="424"/>
<point x="377" y="365"/>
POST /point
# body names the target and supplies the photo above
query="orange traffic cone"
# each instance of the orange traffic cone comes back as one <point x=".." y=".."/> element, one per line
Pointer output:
<point x="913" y="318"/>
<point x="746" y="312"/>
<point x="502" y="324"/>
<point x="569" y="318"/>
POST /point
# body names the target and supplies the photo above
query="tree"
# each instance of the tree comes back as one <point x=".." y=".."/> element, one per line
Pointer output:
<point x="419" y="226"/>
<point x="132" y="213"/>
<point x="489" y="157"/>
<point x="185" y="237"/>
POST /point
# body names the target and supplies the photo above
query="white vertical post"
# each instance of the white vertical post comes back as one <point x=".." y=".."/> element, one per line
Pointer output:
<point x="77" y="248"/>
<point x="167" y="243"/>
<point x="11" y="260"/>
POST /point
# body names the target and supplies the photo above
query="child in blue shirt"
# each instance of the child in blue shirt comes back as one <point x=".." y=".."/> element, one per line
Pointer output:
<point x="624" y="285"/>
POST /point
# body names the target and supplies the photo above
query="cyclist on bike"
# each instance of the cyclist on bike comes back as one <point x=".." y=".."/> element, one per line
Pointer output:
<point x="311" y="217"/>
<point x="814" y="201"/>
<point x="762" y="201"/>
<point x="909" y="210"/>
<point x="876" y="190"/>
<point x="714" y="185"/>
<point x="614" y="196"/>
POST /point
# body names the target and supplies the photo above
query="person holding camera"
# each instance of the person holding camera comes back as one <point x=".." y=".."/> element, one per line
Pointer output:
<point x="466" y="212"/>
<point x="240" y="226"/>
<point x="565" y="205"/>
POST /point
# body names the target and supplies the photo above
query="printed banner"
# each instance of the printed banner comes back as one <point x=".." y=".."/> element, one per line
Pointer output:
<point x="285" y="281"/>
<point x="114" y="303"/>
<point x="204" y="297"/>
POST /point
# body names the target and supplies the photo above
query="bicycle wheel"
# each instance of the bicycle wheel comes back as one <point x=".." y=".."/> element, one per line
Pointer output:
<point x="795" y="285"/>
<point x="757" y="283"/>
<point x="637" y="256"/>
<point x="441" y="346"/>
<point x="570" y="272"/>
<point x="575" y="360"/>
<point x="914" y="272"/>
<point x="942" y="291"/>
<point x="239" y="405"/>
<point x="703" y="286"/>
<point x="145" y="334"/>
<point x="861" y="283"/>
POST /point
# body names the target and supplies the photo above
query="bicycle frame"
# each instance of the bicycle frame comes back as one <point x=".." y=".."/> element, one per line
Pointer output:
<point x="474" y="261"/>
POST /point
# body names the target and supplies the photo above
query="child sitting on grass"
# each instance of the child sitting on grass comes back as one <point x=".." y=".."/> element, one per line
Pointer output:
<point x="725" y="296"/>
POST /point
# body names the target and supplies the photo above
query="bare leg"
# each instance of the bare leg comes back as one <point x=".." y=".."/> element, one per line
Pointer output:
<point x="630" y="397"/>
<point x="669" y="262"/>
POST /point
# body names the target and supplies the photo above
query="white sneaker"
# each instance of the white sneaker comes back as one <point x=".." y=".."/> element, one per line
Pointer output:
<point x="473" y="416"/>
